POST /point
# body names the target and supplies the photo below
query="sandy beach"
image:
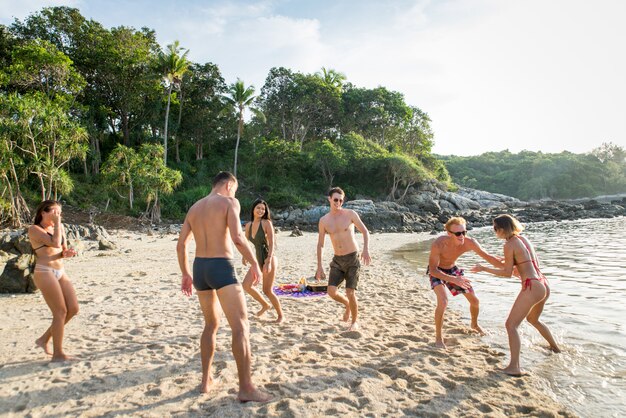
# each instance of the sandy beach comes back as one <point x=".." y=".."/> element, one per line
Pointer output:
<point x="137" y="340"/>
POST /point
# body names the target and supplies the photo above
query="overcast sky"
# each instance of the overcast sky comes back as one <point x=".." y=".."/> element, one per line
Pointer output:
<point x="540" y="75"/>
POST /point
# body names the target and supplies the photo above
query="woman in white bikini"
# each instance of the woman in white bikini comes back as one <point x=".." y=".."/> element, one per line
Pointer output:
<point x="520" y="260"/>
<point x="47" y="237"/>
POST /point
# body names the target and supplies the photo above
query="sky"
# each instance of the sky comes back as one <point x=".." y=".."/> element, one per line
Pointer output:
<point x="538" y="75"/>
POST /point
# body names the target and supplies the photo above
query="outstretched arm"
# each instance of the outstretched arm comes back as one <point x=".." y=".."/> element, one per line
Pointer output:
<point x="183" y="258"/>
<point x="321" y="237"/>
<point x="491" y="259"/>
<point x="365" y="254"/>
<point x="507" y="266"/>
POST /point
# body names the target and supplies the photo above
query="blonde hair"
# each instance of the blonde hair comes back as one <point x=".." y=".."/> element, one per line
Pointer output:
<point x="508" y="224"/>
<point x="456" y="220"/>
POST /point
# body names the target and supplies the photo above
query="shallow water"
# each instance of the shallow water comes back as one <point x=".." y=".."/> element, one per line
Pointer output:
<point x="584" y="262"/>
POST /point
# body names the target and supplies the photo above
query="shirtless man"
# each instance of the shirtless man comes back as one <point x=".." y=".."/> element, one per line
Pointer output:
<point x="339" y="224"/>
<point x="213" y="222"/>
<point x="442" y="269"/>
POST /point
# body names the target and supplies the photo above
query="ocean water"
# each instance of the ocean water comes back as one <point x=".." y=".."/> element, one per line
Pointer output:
<point x="585" y="263"/>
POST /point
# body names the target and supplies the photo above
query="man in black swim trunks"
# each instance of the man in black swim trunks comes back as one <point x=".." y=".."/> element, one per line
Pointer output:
<point x="443" y="272"/>
<point x="339" y="224"/>
<point x="213" y="222"/>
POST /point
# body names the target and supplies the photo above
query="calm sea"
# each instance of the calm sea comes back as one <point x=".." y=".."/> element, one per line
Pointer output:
<point x="585" y="263"/>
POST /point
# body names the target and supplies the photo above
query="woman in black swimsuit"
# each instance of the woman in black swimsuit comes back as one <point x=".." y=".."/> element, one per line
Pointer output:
<point x="260" y="232"/>
<point x="519" y="255"/>
<point x="47" y="236"/>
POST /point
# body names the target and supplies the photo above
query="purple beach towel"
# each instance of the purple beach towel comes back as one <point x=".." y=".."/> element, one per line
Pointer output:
<point x="293" y="294"/>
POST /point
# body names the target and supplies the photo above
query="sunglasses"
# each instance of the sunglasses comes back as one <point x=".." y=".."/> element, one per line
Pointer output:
<point x="458" y="234"/>
<point x="337" y="200"/>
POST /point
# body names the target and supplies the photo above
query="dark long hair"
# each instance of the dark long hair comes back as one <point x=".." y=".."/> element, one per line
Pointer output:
<point x="267" y="214"/>
<point x="45" y="207"/>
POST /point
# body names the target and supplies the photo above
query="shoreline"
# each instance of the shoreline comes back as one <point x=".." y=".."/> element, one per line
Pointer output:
<point x="137" y="338"/>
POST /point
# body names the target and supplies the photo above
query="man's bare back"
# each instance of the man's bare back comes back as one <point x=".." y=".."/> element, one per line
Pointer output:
<point x="214" y="221"/>
<point x="208" y="219"/>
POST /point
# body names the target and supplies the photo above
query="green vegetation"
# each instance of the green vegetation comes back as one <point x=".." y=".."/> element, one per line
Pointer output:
<point x="88" y="114"/>
<point x="535" y="175"/>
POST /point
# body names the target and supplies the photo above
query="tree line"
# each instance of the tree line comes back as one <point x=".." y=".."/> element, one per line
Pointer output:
<point x="535" y="175"/>
<point x="95" y="115"/>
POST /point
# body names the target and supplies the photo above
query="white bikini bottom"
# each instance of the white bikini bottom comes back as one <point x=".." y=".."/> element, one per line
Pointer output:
<point x="47" y="269"/>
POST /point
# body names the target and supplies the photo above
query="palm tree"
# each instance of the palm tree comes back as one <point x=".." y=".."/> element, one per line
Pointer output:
<point x="331" y="77"/>
<point x="238" y="99"/>
<point x="173" y="65"/>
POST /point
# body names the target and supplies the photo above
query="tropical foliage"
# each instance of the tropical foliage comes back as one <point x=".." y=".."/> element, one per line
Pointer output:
<point x="89" y="114"/>
<point x="535" y="175"/>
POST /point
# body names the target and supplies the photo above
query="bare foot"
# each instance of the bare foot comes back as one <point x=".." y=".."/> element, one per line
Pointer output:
<point x="263" y="310"/>
<point x="555" y="349"/>
<point x="440" y="344"/>
<point x="346" y="314"/>
<point x="61" y="358"/>
<point x="206" y="386"/>
<point x="43" y="344"/>
<point x="279" y="319"/>
<point x="255" y="396"/>
<point x="512" y="371"/>
<point x="478" y="329"/>
<point x="354" y="326"/>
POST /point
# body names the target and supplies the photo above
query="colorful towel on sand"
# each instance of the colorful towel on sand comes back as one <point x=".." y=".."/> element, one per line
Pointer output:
<point x="295" y="291"/>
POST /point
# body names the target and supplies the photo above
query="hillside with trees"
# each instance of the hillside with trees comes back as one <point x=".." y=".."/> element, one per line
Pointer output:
<point x="106" y="117"/>
<point x="535" y="175"/>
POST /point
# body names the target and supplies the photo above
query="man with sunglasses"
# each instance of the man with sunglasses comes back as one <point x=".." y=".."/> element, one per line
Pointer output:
<point x="443" y="271"/>
<point x="339" y="224"/>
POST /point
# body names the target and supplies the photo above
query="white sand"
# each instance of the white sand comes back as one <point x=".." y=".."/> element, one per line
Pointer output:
<point x="137" y="338"/>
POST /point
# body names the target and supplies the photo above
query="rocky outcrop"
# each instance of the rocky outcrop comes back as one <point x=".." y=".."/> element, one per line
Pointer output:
<point x="429" y="208"/>
<point x="17" y="259"/>
<point x="16" y="263"/>
<point x="486" y="200"/>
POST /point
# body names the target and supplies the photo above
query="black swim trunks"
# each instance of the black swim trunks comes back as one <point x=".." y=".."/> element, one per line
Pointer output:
<point x="345" y="267"/>
<point x="213" y="273"/>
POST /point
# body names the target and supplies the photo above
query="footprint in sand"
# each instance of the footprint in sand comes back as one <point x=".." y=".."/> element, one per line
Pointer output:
<point x="154" y="392"/>
<point x="447" y="383"/>
<point x="485" y="408"/>
<point x="452" y="341"/>
<point x="355" y="335"/>
<point x="396" y="344"/>
<point x="413" y="338"/>
<point x="318" y="348"/>
<point x="492" y="360"/>
<point x="347" y="401"/>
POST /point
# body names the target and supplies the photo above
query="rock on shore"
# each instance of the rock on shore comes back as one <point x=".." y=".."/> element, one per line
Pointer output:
<point x="17" y="260"/>
<point x="427" y="209"/>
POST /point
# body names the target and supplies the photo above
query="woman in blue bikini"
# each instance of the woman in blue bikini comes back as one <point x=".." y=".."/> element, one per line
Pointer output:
<point x="47" y="237"/>
<point x="260" y="232"/>
<point x="519" y="254"/>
